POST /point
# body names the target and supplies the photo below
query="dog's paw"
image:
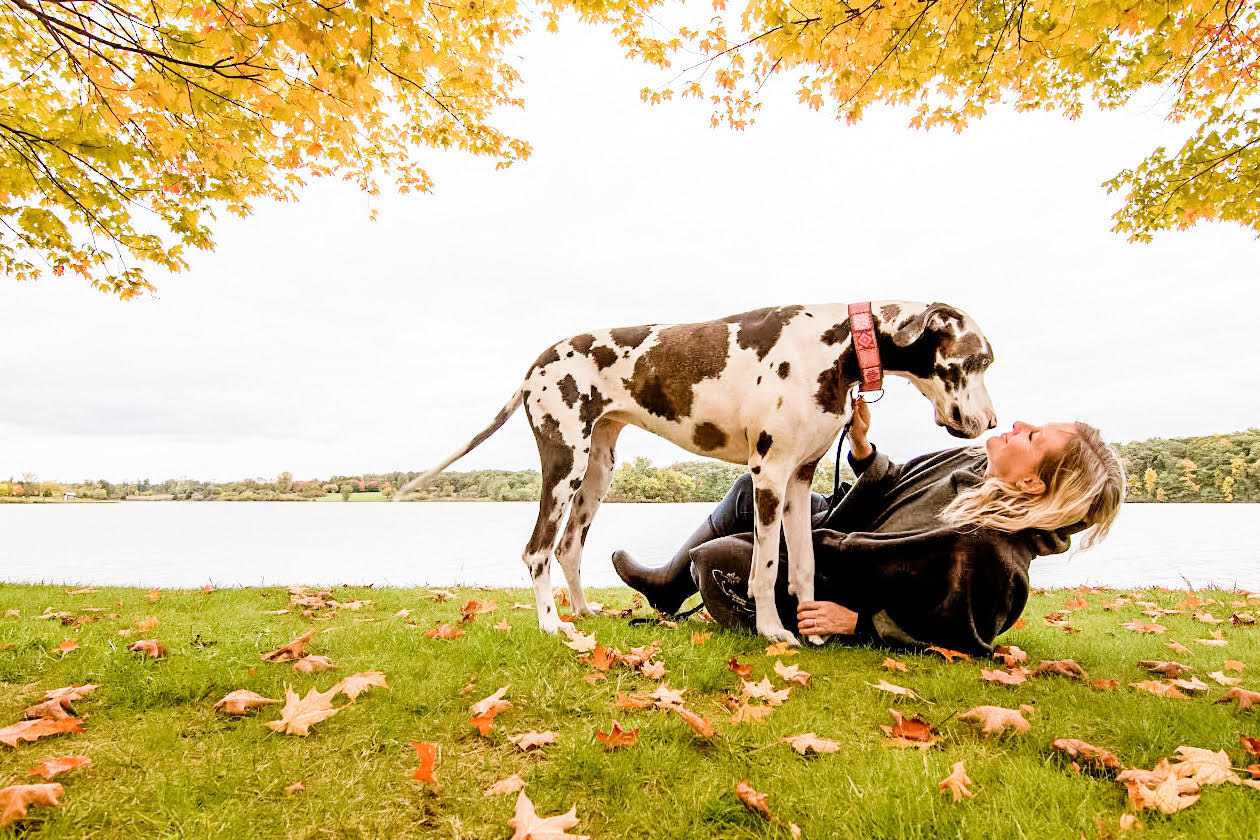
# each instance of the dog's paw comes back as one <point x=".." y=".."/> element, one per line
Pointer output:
<point x="584" y="610"/>
<point x="565" y="627"/>
<point x="779" y="634"/>
<point x="817" y="640"/>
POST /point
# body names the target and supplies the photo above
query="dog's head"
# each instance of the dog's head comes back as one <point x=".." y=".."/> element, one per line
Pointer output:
<point x="943" y="352"/>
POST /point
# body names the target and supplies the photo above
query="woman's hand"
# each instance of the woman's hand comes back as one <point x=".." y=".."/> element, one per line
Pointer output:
<point x="859" y="446"/>
<point x="823" y="618"/>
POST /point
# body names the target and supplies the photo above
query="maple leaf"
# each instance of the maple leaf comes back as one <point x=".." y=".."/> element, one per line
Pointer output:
<point x="700" y="638"/>
<point x="780" y="649"/>
<point x="1157" y="688"/>
<point x="955" y="784"/>
<point x="1250" y="745"/>
<point x="12" y="613"/>
<point x="444" y="631"/>
<point x="701" y="726"/>
<point x="355" y="684"/>
<point x="632" y="701"/>
<point x="1009" y="655"/>
<point x="748" y="713"/>
<point x="890" y="664"/>
<point x="617" y="737"/>
<point x="298" y="715"/>
<point x="1160" y="788"/>
<point x="1061" y="667"/>
<point x="744" y="671"/>
<point x="1243" y="618"/>
<point x="294" y="788"/>
<point x="807" y="741"/>
<point x="511" y="784"/>
<point x="791" y="673"/>
<point x="70" y="693"/>
<point x="15" y="799"/>
<point x="949" y="655"/>
<point x="440" y="595"/>
<point x="67" y="646"/>
<point x="639" y="656"/>
<point x="1221" y="678"/>
<point x="295" y="649"/>
<point x="1246" y="699"/>
<point x="884" y="685"/>
<point x="1192" y="684"/>
<point x="652" y="670"/>
<point x="530" y="826"/>
<point x="909" y="732"/>
<point x="55" y="709"/>
<point x="1166" y="669"/>
<point x="765" y="690"/>
<point x="31" y="730"/>
<point x="52" y="767"/>
<point x="997" y="720"/>
<point x="313" y="663"/>
<point x="758" y="803"/>
<point x="1104" y="685"/>
<point x="1207" y="618"/>
<point x="151" y="647"/>
<point x="144" y="625"/>
<point x="528" y="740"/>
<point x="1215" y="641"/>
<point x="484" y="710"/>
<point x="501" y="625"/>
<point x="1096" y="757"/>
<point x="1177" y="647"/>
<point x="426" y="754"/>
<point x="666" y="696"/>
<point x="1138" y="626"/>
<point x="239" y="702"/>
<point x="602" y="658"/>
<point x="1014" y="676"/>
<point x="1233" y="665"/>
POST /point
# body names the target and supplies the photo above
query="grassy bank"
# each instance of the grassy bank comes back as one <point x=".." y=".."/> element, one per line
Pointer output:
<point x="165" y="764"/>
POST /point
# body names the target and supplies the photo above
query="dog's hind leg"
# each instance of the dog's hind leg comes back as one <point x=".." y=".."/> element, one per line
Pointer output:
<point x="769" y="489"/>
<point x="799" y="538"/>
<point x="599" y="474"/>
<point x="563" y="465"/>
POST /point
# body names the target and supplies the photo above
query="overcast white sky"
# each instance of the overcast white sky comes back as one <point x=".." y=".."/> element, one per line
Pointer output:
<point x="315" y="341"/>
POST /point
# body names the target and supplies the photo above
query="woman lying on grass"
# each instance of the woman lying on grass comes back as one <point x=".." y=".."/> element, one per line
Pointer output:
<point x="931" y="552"/>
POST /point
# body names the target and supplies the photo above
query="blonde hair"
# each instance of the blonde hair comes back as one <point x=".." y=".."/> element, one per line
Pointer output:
<point x="1085" y="484"/>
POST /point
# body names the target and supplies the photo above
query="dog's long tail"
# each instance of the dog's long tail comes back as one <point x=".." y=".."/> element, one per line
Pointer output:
<point x="507" y="411"/>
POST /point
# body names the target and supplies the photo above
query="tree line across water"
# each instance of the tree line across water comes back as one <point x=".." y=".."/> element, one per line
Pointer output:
<point x="1216" y="468"/>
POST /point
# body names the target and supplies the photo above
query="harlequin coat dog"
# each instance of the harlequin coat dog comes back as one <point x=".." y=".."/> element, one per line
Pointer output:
<point x="767" y="388"/>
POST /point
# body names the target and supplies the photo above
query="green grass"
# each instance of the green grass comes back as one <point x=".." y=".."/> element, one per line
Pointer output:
<point x="166" y="765"/>
<point x="373" y="496"/>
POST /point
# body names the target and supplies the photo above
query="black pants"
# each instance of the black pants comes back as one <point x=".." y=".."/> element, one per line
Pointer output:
<point x="722" y="565"/>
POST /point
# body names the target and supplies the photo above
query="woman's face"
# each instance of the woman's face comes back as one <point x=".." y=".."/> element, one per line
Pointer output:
<point x="1015" y="456"/>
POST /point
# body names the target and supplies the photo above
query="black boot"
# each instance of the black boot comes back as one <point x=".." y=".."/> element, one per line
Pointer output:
<point x="667" y="587"/>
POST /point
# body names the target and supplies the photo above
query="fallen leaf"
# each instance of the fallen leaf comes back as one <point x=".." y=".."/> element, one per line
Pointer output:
<point x="1157" y="688"/>
<point x="1128" y="821"/>
<point x="403" y="613"/>
<point x="70" y="693"/>
<point x="15" y="799"/>
<point x="426" y="753"/>
<point x="313" y="663"/>
<point x="758" y="803"/>
<point x="241" y="701"/>
<point x="1246" y="699"/>
<point x="87" y="590"/>
<point x="639" y="656"/>
<point x="1207" y="618"/>
<point x="1192" y="684"/>
<point x="632" y="701"/>
<point x="579" y="641"/>
<point x="1009" y="655"/>
<point x="909" y="731"/>
<point x="294" y="788"/>
<point x="298" y="715"/>
<point x="1177" y="647"/>
<point x="1096" y="757"/>
<point x="54" y="709"/>
<point x="1160" y="788"/>
<point x="440" y="595"/>
<point x="748" y="713"/>
<point x="207" y="589"/>
<point x="154" y="595"/>
<point x="355" y="684"/>
<point x="50" y="768"/>
<point x="1250" y="745"/>
<point x="67" y="646"/>
<point x="1211" y="642"/>
<point x="511" y="784"/>
<point x="666" y="696"/>
<point x="1076" y="603"/>
<point x="1105" y="685"/>
<point x="502" y="625"/>
<point x="30" y="730"/>
<point x="1139" y="626"/>
<point x="1221" y="678"/>
<point x="884" y="685"/>
<point x="955" y="784"/>
<point x="152" y="647"/>
<point x="950" y="655"/>
<point x="1061" y="667"/>
<point x="1014" y="676"/>
<point x="744" y="671"/>
<point x="602" y="658"/>
<point x="888" y="664"/>
<point x="534" y="738"/>
<point x="791" y="673"/>
<point x="617" y="737"/>
<point x="12" y="613"/>
<point x="765" y="690"/>
<point x="1166" y="669"/>
<point x="144" y="625"/>
<point x="444" y="631"/>
<point x="1019" y="624"/>
<point x="1233" y="665"/>
<point x="997" y="719"/>
<point x="781" y="649"/>
<point x="701" y="726"/>
<point x="295" y="649"/>
<point x="700" y="638"/>
<point x="807" y="741"/>
<point x="652" y="670"/>
<point x="530" y="826"/>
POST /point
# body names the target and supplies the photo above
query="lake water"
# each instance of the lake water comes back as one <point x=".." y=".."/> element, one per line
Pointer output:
<point x="187" y="544"/>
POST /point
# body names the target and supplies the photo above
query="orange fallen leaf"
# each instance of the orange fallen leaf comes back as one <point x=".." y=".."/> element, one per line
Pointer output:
<point x="781" y="649"/>
<point x="997" y="719"/>
<point x="1246" y="699"/>
<point x="31" y="730"/>
<point x="602" y="658"/>
<point x="1096" y="757"/>
<point x="1164" y="669"/>
<point x="950" y="655"/>
<point x="1104" y="685"/>
<point x="426" y="753"/>
<point x="313" y="663"/>
<point x="15" y="799"/>
<point x="86" y="590"/>
<point x="530" y="826"/>
<point x="501" y="625"/>
<point x="144" y="625"/>
<point x="534" y="738"/>
<point x="241" y="701"/>
<point x="1222" y="679"/>
<point x="1061" y="667"/>
<point x="955" y="784"/>
<point x="485" y="710"/>
<point x="1014" y="676"/>
<point x="791" y="673"/>
<point x="632" y="701"/>
<point x="207" y="589"/>
<point x="639" y="656"/>
<point x="748" y="713"/>
<point x="511" y="784"/>
<point x="890" y="664"/>
<point x="295" y="649"/>
<point x="1233" y="665"/>
<point x="1157" y="688"/>
<point x="1250" y="745"/>
<point x="1019" y="624"/>
<point x="294" y="788"/>
<point x="807" y="741"/>
<point x="50" y="768"/>
<point x="1139" y="626"/>
<point x="298" y="715"/>
<point x="765" y="690"/>
<point x="758" y="803"/>
<point x="1009" y="655"/>
<point x="444" y="631"/>
<point x="355" y="684"/>
<point x="909" y="732"/>
<point x="652" y="670"/>
<point x="884" y="685"/>
<point x="1177" y="647"/>
<point x="54" y="709"/>
<point x="701" y="726"/>
<point x="154" y="595"/>
<point x="70" y="693"/>
<point x="1076" y="603"/>
<point x="744" y="671"/>
<point x="700" y="638"/>
<point x="617" y="737"/>
<point x="67" y="646"/>
<point x="152" y="647"/>
<point x="666" y="696"/>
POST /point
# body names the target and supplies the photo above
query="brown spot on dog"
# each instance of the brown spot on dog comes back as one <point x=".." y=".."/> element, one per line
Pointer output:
<point x="568" y="390"/>
<point x="764" y="442"/>
<point x="708" y="436"/>
<point x="582" y="343"/>
<point x="557" y="462"/>
<point x="630" y="336"/>
<point x="549" y="355"/>
<point x="592" y="409"/>
<point x="836" y="333"/>
<point x="756" y="470"/>
<point x="761" y="328"/>
<point x="784" y="370"/>
<point x="779" y="404"/>
<point x="603" y="356"/>
<point x="575" y="483"/>
<point x="889" y="311"/>
<point x="683" y="356"/>
<point x="767" y="504"/>
<point x="968" y="344"/>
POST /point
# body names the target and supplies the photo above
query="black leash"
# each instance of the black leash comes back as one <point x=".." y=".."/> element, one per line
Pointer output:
<point x="835" y="484"/>
<point x="636" y="622"/>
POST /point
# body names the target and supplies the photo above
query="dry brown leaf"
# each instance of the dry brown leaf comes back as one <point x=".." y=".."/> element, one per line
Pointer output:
<point x="765" y="690"/>
<point x="1105" y="685"/>
<point x="151" y="647"/>
<point x="652" y="670"/>
<point x="1177" y="647"/>
<point x="154" y="595"/>
<point x="295" y="649"/>
<point x="1160" y="788"/>
<point x="15" y="799"/>
<point x="884" y="685"/>
<point x="1207" y="618"/>
<point x="144" y="625"/>
<point x="86" y="590"/>
<point x="781" y="649"/>
<point x="791" y="673"/>
<point x="666" y="696"/>
<point x="533" y="738"/>
<point x="1213" y="642"/>
<point x="758" y="803"/>
<point x="1061" y="667"/>
<point x="955" y="784"/>
<point x="748" y="713"/>
<point x="701" y="726"/>
<point x="743" y="671"/>
<point x="700" y="638"/>
<point x="299" y="714"/>
<point x="579" y="641"/>
<point x="313" y="663"/>
<point x="31" y="730"/>
<point x="444" y="631"/>
<point x="1139" y="626"/>
<point x="1012" y="676"/>
<point x="617" y="737"/>
<point x="1251" y="746"/>
<point x="355" y="684"/>
<point x="1246" y="699"/>
<point x="294" y="788"/>
<point x="997" y="720"/>
<point x="501" y="625"/>
<point x="12" y="613"/>
<point x="949" y="655"/>
<point x="511" y="784"/>
<point x="530" y="826"/>
<point x="1233" y="665"/>
<point x="602" y="658"/>
<point x="67" y="646"/>
<point x="1165" y="669"/>
<point x="888" y="664"/>
<point x="1221" y="678"/>
<point x="807" y="741"/>
<point x="50" y="768"/>
<point x="70" y="693"/>
<point x="54" y="709"/>
<point x="426" y="754"/>
<point x="1009" y="655"/>
<point x="632" y="701"/>
<point x="1096" y="757"/>
<point x="1160" y="689"/>
<point x="909" y="731"/>
<point x="241" y="701"/>
<point x="1192" y="684"/>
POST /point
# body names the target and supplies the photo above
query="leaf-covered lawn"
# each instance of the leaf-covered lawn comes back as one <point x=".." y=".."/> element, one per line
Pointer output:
<point x="164" y="762"/>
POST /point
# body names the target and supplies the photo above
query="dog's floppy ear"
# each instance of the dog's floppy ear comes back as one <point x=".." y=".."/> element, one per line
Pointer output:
<point x="935" y="317"/>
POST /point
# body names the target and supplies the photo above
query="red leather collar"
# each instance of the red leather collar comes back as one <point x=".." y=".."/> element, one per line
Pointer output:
<point x="862" y="330"/>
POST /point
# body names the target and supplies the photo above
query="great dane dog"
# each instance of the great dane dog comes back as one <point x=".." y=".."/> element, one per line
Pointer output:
<point x="767" y="388"/>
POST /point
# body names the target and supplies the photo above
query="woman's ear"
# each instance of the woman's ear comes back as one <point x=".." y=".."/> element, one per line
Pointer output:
<point x="1032" y="485"/>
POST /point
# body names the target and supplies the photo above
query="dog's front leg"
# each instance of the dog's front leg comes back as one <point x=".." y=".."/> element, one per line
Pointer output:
<point x="769" y="488"/>
<point x="799" y="538"/>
